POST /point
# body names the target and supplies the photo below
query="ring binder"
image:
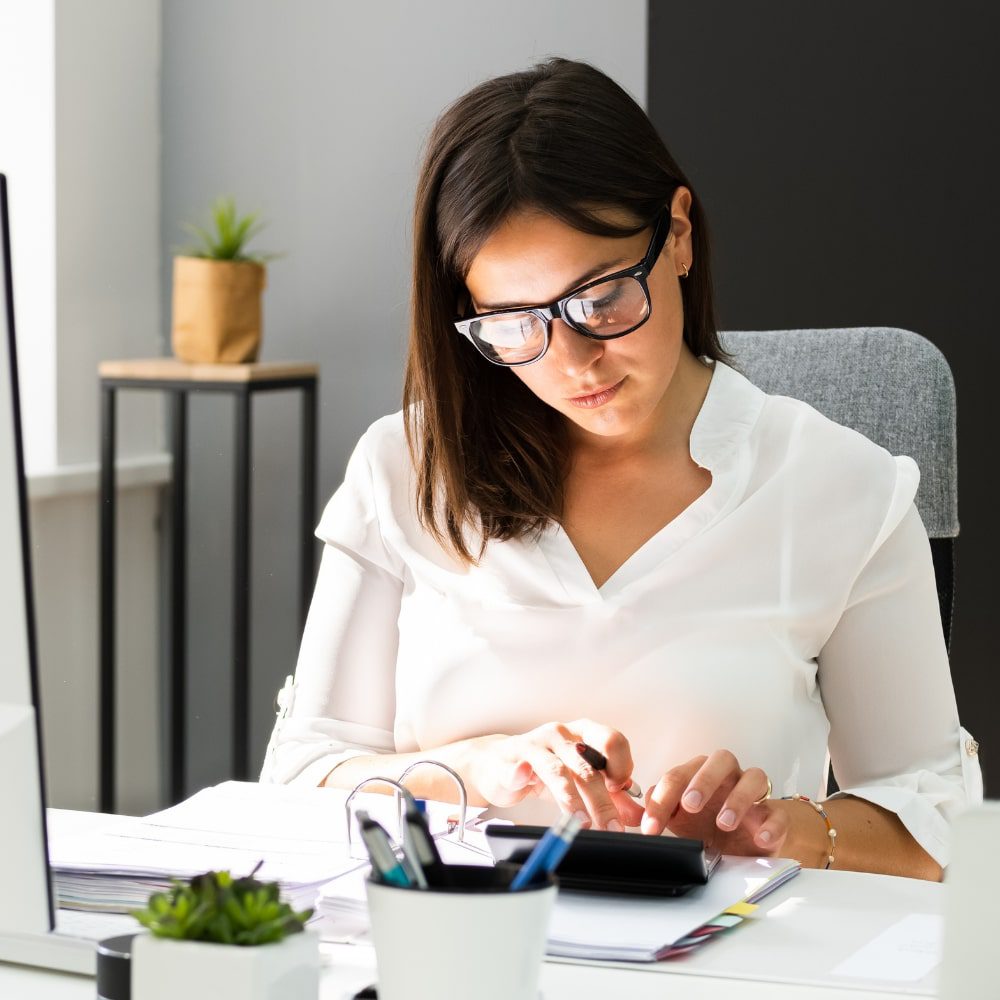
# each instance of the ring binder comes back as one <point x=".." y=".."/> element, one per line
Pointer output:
<point x="463" y="795"/>
<point x="402" y="792"/>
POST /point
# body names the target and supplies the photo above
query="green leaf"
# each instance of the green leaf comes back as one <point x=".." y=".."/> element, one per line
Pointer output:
<point x="237" y="914"/>
<point x="231" y="235"/>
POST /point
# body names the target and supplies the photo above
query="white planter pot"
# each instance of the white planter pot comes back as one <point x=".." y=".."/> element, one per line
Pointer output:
<point x="195" y="970"/>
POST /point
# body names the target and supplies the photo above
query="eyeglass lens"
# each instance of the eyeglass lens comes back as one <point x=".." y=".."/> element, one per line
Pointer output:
<point x="607" y="309"/>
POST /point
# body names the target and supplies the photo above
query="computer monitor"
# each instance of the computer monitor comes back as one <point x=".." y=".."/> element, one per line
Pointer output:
<point x="26" y="900"/>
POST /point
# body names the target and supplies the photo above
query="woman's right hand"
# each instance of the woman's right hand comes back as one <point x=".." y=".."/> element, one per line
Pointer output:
<point x="507" y="769"/>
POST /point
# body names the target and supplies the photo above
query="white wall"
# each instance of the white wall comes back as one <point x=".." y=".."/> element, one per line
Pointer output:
<point x="80" y="144"/>
<point x="107" y="103"/>
<point x="27" y="157"/>
<point x="79" y="141"/>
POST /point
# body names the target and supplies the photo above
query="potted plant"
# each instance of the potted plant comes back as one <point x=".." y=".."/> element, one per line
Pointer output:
<point x="217" y="291"/>
<point x="217" y="936"/>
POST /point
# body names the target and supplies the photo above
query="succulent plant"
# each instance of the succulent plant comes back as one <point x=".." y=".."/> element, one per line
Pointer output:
<point x="216" y="907"/>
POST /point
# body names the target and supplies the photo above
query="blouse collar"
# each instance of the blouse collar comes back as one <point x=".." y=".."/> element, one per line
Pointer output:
<point x="728" y="414"/>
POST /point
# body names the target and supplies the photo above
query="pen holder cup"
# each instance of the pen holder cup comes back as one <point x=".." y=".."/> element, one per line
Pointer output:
<point x="472" y="938"/>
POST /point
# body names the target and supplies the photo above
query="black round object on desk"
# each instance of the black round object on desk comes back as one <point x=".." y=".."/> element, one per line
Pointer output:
<point x="114" y="968"/>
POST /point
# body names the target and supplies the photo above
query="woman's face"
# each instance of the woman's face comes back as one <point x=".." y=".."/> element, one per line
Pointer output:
<point x="607" y="388"/>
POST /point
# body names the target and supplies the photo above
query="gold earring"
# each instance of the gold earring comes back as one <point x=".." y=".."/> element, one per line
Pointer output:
<point x="685" y="269"/>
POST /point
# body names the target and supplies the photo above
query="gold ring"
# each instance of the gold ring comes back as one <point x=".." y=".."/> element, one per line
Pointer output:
<point x="766" y="794"/>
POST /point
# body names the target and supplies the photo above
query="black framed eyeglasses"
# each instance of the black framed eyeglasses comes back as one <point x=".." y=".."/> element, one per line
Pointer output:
<point x="603" y="309"/>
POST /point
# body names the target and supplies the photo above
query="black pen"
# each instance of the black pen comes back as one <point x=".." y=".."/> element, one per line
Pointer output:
<point x="420" y="841"/>
<point x="599" y="762"/>
<point x="412" y="855"/>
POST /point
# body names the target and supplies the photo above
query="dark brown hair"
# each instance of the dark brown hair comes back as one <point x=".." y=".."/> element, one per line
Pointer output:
<point x="564" y="139"/>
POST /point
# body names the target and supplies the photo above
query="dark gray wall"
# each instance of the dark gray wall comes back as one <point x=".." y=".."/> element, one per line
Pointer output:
<point x="846" y="155"/>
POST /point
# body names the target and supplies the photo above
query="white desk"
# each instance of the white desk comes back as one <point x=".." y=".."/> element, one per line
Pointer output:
<point x="352" y="968"/>
<point x="804" y="929"/>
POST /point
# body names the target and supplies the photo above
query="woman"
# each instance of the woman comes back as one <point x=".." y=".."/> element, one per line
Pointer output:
<point x="585" y="527"/>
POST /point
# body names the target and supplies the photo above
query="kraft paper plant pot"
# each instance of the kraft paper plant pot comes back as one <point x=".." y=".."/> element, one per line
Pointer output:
<point x="164" y="969"/>
<point x="216" y="310"/>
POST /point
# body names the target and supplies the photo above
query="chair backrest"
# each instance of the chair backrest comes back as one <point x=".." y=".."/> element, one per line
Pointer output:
<point x="893" y="386"/>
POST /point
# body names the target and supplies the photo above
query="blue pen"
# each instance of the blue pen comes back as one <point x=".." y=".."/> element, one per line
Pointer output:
<point x="549" y="851"/>
<point x="383" y="858"/>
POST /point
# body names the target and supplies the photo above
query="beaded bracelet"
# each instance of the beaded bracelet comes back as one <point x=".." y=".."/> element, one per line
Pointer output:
<point x="831" y="832"/>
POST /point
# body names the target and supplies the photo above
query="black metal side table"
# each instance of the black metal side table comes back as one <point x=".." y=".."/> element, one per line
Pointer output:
<point x="179" y="380"/>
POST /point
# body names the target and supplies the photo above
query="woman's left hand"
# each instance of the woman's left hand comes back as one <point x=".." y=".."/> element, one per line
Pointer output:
<point x="713" y="799"/>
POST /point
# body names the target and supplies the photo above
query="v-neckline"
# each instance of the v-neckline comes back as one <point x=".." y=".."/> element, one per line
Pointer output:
<point x="568" y="565"/>
<point x="708" y="447"/>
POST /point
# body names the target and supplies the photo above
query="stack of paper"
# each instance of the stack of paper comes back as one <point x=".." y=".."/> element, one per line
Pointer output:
<point x="120" y="872"/>
<point x="299" y="835"/>
<point x="644" y="929"/>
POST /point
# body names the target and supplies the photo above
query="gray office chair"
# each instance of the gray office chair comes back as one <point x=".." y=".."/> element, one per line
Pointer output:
<point x="894" y="387"/>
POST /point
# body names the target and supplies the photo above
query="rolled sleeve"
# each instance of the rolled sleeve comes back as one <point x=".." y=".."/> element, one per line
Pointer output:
<point x="895" y="736"/>
<point x="927" y="801"/>
<point x="342" y="701"/>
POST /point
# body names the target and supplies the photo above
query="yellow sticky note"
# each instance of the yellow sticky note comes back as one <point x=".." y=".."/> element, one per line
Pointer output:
<point x="741" y="909"/>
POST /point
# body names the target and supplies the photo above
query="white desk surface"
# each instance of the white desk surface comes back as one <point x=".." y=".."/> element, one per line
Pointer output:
<point x="352" y="968"/>
<point x="802" y="931"/>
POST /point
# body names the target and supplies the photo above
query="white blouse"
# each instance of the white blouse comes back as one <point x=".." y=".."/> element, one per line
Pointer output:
<point x="789" y="614"/>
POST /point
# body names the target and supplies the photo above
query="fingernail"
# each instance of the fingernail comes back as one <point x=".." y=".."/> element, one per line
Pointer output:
<point x="615" y="827"/>
<point x="693" y="798"/>
<point x="764" y="836"/>
<point x="727" y="818"/>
